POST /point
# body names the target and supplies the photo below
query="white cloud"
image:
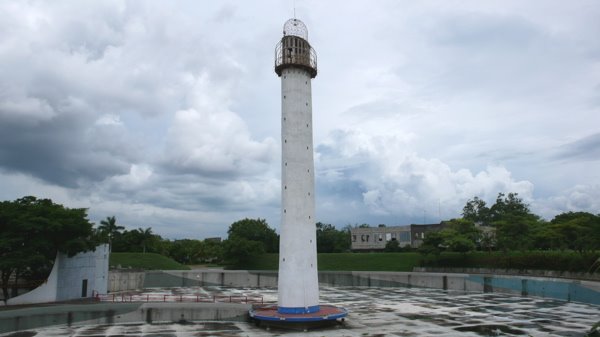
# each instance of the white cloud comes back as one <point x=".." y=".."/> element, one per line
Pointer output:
<point x="399" y="184"/>
<point x="210" y="139"/>
<point x="109" y="119"/>
<point x="579" y="198"/>
<point x="167" y="114"/>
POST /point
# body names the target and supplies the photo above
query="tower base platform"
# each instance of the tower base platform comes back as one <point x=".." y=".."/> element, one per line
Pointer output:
<point x="270" y="317"/>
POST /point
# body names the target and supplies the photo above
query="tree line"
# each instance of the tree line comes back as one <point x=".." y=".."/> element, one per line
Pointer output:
<point x="33" y="230"/>
<point x="509" y="225"/>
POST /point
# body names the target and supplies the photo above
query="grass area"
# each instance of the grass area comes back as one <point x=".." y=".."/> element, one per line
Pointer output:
<point x="347" y="262"/>
<point x="567" y="261"/>
<point x="369" y="261"/>
<point x="147" y="261"/>
<point x="546" y="260"/>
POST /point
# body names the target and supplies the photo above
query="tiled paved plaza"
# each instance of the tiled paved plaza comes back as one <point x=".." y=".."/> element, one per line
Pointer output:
<point x="381" y="312"/>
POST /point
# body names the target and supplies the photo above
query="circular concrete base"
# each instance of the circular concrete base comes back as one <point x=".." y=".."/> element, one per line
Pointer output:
<point x="269" y="315"/>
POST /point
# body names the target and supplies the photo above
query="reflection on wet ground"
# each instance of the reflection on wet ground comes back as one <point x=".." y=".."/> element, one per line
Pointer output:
<point x="380" y="312"/>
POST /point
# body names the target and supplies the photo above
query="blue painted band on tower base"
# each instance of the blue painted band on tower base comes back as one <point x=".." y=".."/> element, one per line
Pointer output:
<point x="298" y="310"/>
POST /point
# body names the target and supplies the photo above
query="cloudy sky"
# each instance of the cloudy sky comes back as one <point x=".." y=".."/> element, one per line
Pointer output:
<point x="166" y="114"/>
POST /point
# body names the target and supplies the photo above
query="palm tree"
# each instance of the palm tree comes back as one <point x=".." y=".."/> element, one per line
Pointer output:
<point x="109" y="228"/>
<point x="146" y="235"/>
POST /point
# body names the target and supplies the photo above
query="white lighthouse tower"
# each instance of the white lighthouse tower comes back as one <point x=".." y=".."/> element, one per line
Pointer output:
<point x="296" y="65"/>
<point x="298" y="283"/>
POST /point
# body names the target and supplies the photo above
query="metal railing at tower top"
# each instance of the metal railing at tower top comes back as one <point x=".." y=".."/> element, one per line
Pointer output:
<point x="294" y="51"/>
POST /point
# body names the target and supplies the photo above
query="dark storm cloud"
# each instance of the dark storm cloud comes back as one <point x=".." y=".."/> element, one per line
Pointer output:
<point x="586" y="148"/>
<point x="56" y="150"/>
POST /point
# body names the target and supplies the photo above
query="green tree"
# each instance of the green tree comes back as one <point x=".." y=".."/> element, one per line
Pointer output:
<point x="109" y="229"/>
<point x="546" y="237"/>
<point x="238" y="251"/>
<point x="487" y="241"/>
<point x="476" y="210"/>
<point x="459" y="243"/>
<point x="146" y="237"/>
<point x="247" y="239"/>
<point x="392" y="246"/>
<point x="255" y="230"/>
<point x="331" y="240"/>
<point x="514" y="222"/>
<point x="433" y="243"/>
<point x="579" y="231"/>
<point x="465" y="228"/>
<point x="139" y="240"/>
<point x="211" y="251"/>
<point x="33" y="230"/>
<point x="509" y="206"/>
<point x="461" y="235"/>
<point x="185" y="251"/>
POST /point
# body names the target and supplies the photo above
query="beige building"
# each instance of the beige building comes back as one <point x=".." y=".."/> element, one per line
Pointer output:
<point x="375" y="238"/>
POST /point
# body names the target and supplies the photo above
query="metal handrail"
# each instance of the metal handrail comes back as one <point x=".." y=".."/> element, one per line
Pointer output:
<point x="179" y="298"/>
<point x="305" y="57"/>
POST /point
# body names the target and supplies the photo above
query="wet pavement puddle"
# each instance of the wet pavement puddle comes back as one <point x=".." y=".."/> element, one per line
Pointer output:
<point x="376" y="312"/>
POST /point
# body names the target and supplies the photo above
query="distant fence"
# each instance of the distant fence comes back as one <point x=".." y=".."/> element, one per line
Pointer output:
<point x="180" y="298"/>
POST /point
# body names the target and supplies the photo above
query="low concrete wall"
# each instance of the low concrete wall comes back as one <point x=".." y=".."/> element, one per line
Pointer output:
<point x="118" y="313"/>
<point x="513" y="272"/>
<point x="559" y="288"/>
<point x="210" y="277"/>
<point x="120" y="280"/>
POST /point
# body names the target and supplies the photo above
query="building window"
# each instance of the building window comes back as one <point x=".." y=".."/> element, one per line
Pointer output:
<point x="353" y="238"/>
<point x="380" y="237"/>
<point x="404" y="236"/>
